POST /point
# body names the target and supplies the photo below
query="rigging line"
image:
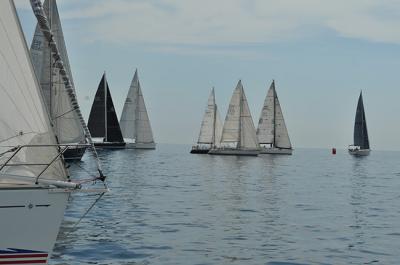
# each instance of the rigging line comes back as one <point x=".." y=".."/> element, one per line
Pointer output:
<point x="10" y="150"/>
<point x="19" y="64"/>
<point x="65" y="113"/>
<point x="86" y="212"/>
<point x="17" y="135"/>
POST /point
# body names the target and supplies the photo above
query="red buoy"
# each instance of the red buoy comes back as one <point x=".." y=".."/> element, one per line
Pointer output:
<point x="333" y="151"/>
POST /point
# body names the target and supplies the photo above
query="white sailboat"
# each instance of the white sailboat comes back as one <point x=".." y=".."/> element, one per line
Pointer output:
<point x="272" y="133"/>
<point x="134" y="122"/>
<point x="211" y="128"/>
<point x="63" y="115"/>
<point x="360" y="147"/>
<point x="238" y="134"/>
<point x="34" y="185"/>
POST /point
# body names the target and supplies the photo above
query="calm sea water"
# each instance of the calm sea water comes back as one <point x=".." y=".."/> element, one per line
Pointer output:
<point x="169" y="207"/>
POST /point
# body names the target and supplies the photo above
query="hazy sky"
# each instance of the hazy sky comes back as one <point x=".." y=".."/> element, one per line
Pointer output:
<point x="321" y="54"/>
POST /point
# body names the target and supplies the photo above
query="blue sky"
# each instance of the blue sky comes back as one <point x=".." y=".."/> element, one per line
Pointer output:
<point x="321" y="54"/>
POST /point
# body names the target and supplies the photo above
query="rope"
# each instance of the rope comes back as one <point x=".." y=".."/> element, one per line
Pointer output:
<point x="86" y="212"/>
<point x="10" y="150"/>
<point x="44" y="25"/>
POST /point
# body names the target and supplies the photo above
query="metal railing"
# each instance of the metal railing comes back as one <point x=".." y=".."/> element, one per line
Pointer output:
<point x="46" y="165"/>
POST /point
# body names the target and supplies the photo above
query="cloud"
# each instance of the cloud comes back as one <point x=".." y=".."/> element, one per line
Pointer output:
<point x="210" y="22"/>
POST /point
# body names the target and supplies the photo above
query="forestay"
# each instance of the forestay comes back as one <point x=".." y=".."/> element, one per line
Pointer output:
<point x="23" y="116"/>
<point x="64" y="116"/>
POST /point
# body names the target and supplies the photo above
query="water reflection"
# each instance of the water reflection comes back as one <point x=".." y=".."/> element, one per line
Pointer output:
<point x="170" y="207"/>
<point x="358" y="201"/>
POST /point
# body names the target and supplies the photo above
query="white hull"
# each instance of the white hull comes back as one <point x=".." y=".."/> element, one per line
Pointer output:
<point x="30" y="222"/>
<point x="360" y="152"/>
<point x="236" y="152"/>
<point x="140" y="146"/>
<point x="276" y="151"/>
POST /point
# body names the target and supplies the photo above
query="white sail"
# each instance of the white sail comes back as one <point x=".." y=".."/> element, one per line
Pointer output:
<point x="23" y="115"/>
<point x="144" y="133"/>
<point x="281" y="134"/>
<point x="231" y="130"/>
<point x="67" y="125"/>
<point x="207" y="130"/>
<point x="135" y="123"/>
<point x="265" y="130"/>
<point x="128" y="116"/>
<point x="248" y="132"/>
<point x="218" y="128"/>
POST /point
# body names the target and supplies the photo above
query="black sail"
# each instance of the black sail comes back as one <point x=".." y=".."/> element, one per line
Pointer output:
<point x="360" y="126"/>
<point x="97" y="117"/>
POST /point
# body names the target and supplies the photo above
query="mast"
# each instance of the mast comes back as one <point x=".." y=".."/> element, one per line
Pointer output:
<point x="105" y="108"/>
<point x="240" y="115"/>
<point x="215" y="120"/>
<point x="274" y="123"/>
<point x="50" y="71"/>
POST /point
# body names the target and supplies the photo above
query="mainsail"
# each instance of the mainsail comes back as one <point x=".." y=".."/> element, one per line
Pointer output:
<point x="63" y="115"/>
<point x="24" y="119"/>
<point x="211" y="127"/>
<point x="238" y="130"/>
<point x="360" y="126"/>
<point x="135" y="123"/>
<point x="103" y="121"/>
<point x="271" y="126"/>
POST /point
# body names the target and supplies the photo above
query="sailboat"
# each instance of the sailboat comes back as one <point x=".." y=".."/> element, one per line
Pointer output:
<point x="272" y="133"/>
<point x="103" y="122"/>
<point x="360" y="147"/>
<point x="34" y="182"/>
<point x="63" y="115"/>
<point x="238" y="134"/>
<point x="135" y="123"/>
<point x="211" y="128"/>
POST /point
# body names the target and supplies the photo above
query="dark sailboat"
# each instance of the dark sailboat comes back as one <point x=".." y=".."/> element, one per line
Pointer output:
<point x="103" y="122"/>
<point x="360" y="146"/>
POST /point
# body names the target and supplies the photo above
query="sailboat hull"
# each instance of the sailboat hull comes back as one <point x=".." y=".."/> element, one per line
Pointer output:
<point x="359" y="152"/>
<point x="29" y="224"/>
<point x="199" y="151"/>
<point x="110" y="145"/>
<point x="276" y="151"/>
<point x="150" y="146"/>
<point x="74" y="153"/>
<point x="234" y="152"/>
